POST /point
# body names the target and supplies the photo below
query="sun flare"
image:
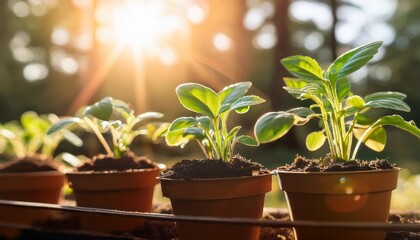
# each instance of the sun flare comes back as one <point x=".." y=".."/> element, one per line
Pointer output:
<point x="138" y="23"/>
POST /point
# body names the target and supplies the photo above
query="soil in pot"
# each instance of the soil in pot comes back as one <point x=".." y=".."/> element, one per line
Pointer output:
<point x="28" y="164"/>
<point x="105" y="163"/>
<point x="302" y="164"/>
<point x="125" y="184"/>
<point x="216" y="188"/>
<point x="208" y="168"/>
<point x="358" y="191"/>
<point x="30" y="179"/>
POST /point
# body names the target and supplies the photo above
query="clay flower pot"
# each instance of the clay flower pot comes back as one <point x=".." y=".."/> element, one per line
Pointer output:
<point x="44" y="187"/>
<point x="359" y="196"/>
<point x="224" y="197"/>
<point x="122" y="190"/>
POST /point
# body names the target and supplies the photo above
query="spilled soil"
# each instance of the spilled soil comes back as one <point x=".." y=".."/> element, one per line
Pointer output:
<point x="208" y="168"/>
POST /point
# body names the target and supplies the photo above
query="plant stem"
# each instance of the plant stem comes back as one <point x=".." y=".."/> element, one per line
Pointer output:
<point x="99" y="135"/>
<point x="325" y="121"/>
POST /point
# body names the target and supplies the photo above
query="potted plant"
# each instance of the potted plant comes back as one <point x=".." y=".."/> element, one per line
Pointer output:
<point x="118" y="179"/>
<point x="223" y="184"/>
<point x="337" y="187"/>
<point x="30" y="173"/>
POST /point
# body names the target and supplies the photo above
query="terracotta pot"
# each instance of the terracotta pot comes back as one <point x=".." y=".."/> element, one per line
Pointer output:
<point x="360" y="196"/>
<point x="228" y="197"/>
<point x="128" y="191"/>
<point x="44" y="187"/>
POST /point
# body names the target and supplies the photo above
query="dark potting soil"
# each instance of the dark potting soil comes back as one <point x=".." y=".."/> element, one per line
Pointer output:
<point x="128" y="161"/>
<point x="28" y="164"/>
<point x="301" y="164"/>
<point x="208" y="168"/>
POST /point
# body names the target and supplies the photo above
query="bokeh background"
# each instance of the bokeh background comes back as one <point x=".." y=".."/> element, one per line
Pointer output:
<point x="59" y="55"/>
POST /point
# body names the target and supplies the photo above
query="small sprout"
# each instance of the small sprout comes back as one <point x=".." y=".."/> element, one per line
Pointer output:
<point x="116" y="117"/>
<point x="210" y="128"/>
<point x="342" y="114"/>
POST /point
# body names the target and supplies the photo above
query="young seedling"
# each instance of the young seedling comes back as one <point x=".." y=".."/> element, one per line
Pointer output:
<point x="29" y="137"/>
<point x="210" y="129"/>
<point x="114" y="116"/>
<point x="341" y="113"/>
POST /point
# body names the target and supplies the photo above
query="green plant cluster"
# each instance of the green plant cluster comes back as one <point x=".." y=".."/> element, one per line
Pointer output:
<point x="116" y="117"/>
<point x="210" y="129"/>
<point x="341" y="113"/>
<point x="28" y="137"/>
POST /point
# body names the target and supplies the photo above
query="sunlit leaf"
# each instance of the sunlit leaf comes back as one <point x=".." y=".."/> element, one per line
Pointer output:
<point x="353" y="60"/>
<point x="303" y="67"/>
<point x="390" y="103"/>
<point x="294" y="83"/>
<point x="273" y="125"/>
<point x="233" y="92"/>
<point x="182" y="122"/>
<point x="315" y="140"/>
<point x="343" y="88"/>
<point x="248" y="140"/>
<point x="101" y="110"/>
<point x="176" y="134"/>
<point x="232" y="134"/>
<point x="302" y="112"/>
<point x="383" y="95"/>
<point x="63" y="123"/>
<point x="72" y="138"/>
<point x="245" y="102"/>
<point x="199" y="99"/>
<point x="376" y="140"/>
<point x="355" y="101"/>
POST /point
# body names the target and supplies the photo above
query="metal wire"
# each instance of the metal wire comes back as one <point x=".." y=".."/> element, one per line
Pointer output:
<point x="412" y="227"/>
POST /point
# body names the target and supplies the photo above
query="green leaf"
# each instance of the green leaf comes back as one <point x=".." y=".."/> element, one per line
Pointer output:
<point x="385" y="95"/>
<point x="273" y="125"/>
<point x="182" y="122"/>
<point x="160" y="131"/>
<point x="376" y="140"/>
<point x="390" y="103"/>
<point x="294" y="83"/>
<point x="399" y="122"/>
<point x="205" y="122"/>
<point x="393" y="120"/>
<point x="233" y="92"/>
<point x="242" y="110"/>
<point x="122" y="107"/>
<point x="148" y="115"/>
<point x="176" y="131"/>
<point x="199" y="99"/>
<point x="194" y="133"/>
<point x="246" y="101"/>
<point x="303" y="67"/>
<point x="302" y="112"/>
<point x="63" y="123"/>
<point x="315" y="140"/>
<point x="101" y="110"/>
<point x="353" y="60"/>
<point x="302" y="115"/>
<point x="296" y="93"/>
<point x="343" y="88"/>
<point x="248" y="140"/>
<point x="72" y="138"/>
<point x="355" y="101"/>
<point x="232" y="134"/>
